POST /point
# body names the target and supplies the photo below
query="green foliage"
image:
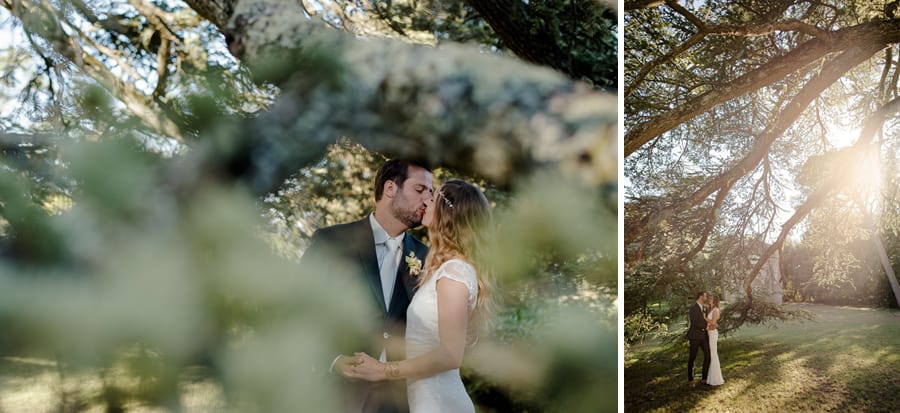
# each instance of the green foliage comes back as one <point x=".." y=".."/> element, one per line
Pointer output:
<point x="337" y="189"/>
<point x="836" y="262"/>
<point x="565" y="370"/>
<point x="576" y="37"/>
<point x="585" y="227"/>
<point x="585" y="33"/>
<point x="149" y="284"/>
<point x="169" y="284"/>
<point x="444" y="20"/>
<point x="639" y="325"/>
<point x="140" y="266"/>
<point x="738" y="313"/>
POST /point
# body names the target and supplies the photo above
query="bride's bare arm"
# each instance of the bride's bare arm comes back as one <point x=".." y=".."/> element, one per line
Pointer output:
<point x="452" y="297"/>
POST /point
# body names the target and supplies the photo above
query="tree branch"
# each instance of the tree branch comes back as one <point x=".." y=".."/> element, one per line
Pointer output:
<point x="892" y="87"/>
<point x="832" y="71"/>
<point x="66" y="46"/>
<point x="790" y="25"/>
<point x="162" y="68"/>
<point x="687" y="15"/>
<point x="455" y="105"/>
<point x="878" y="33"/>
<point x="639" y="78"/>
<point x="763" y="29"/>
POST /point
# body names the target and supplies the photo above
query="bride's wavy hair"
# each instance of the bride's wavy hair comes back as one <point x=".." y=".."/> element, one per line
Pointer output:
<point x="460" y="226"/>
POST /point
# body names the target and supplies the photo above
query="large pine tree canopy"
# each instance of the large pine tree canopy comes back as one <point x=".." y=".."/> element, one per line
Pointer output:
<point x="744" y="121"/>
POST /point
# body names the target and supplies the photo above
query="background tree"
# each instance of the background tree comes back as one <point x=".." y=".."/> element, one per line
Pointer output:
<point x="164" y="162"/>
<point x="725" y="103"/>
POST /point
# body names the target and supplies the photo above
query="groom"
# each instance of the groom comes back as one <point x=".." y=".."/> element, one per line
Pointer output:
<point x="378" y="250"/>
<point x="698" y="337"/>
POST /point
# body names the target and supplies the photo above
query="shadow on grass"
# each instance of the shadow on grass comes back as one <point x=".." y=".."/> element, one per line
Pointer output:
<point x="846" y="361"/>
<point x="657" y="380"/>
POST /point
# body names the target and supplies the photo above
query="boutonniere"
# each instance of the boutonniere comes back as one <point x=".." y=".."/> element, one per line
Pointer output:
<point x="414" y="264"/>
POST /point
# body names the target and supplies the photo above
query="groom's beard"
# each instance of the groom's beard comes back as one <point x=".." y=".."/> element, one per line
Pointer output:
<point x="411" y="219"/>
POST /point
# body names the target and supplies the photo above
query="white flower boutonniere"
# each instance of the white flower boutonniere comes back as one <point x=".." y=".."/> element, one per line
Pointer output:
<point x="414" y="264"/>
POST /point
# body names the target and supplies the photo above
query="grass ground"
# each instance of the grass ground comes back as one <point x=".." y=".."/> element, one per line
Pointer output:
<point x="846" y="360"/>
<point x="34" y="385"/>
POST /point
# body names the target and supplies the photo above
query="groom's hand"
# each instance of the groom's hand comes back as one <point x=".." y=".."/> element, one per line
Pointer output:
<point x="344" y="364"/>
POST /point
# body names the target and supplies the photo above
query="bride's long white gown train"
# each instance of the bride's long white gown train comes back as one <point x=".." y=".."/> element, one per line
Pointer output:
<point x="443" y="392"/>
<point x="715" y="369"/>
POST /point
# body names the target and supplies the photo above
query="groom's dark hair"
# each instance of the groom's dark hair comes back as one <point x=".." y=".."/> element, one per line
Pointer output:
<point x="396" y="170"/>
<point x="699" y="294"/>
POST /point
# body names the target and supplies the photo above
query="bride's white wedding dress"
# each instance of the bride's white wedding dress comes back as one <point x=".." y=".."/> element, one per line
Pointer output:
<point x="715" y="369"/>
<point x="443" y="392"/>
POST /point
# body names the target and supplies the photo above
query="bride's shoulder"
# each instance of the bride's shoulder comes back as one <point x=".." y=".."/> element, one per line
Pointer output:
<point x="457" y="266"/>
<point x="457" y="263"/>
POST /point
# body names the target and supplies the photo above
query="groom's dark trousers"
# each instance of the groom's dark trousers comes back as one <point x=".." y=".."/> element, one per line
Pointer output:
<point x="699" y="339"/>
<point x="354" y="245"/>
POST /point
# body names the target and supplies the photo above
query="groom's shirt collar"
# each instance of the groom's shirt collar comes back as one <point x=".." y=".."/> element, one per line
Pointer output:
<point x="378" y="231"/>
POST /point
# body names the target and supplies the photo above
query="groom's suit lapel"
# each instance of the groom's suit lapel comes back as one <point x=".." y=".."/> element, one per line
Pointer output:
<point x="369" y="261"/>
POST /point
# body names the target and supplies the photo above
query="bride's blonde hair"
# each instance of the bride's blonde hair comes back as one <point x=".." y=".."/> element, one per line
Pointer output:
<point x="462" y="218"/>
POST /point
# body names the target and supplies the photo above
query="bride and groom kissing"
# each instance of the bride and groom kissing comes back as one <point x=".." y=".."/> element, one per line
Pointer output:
<point x="703" y="334"/>
<point x="428" y="302"/>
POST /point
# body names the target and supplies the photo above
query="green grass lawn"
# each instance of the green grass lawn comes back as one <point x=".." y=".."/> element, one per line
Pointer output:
<point x="846" y="360"/>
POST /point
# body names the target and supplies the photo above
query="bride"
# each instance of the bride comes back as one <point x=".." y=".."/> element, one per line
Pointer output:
<point x="715" y="369"/>
<point x="446" y="309"/>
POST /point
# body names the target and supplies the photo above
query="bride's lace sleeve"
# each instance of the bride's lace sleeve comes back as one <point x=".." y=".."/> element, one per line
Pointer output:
<point x="463" y="272"/>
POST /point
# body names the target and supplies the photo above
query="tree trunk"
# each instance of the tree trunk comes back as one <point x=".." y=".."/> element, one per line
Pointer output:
<point x="886" y="263"/>
<point x="879" y="247"/>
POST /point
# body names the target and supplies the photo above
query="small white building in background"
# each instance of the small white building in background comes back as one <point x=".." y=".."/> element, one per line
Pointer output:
<point x="768" y="280"/>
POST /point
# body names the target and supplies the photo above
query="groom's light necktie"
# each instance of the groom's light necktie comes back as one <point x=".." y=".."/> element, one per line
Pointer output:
<point x="389" y="265"/>
<point x="388" y="271"/>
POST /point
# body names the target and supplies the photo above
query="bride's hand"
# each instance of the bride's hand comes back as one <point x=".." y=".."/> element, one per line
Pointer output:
<point x="367" y="368"/>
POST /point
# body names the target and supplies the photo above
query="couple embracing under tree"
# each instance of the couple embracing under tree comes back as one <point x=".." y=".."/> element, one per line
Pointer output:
<point x="703" y="334"/>
<point x="430" y="301"/>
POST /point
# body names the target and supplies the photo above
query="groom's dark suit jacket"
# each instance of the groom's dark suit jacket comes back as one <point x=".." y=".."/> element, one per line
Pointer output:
<point x="697" y="329"/>
<point x="354" y="245"/>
